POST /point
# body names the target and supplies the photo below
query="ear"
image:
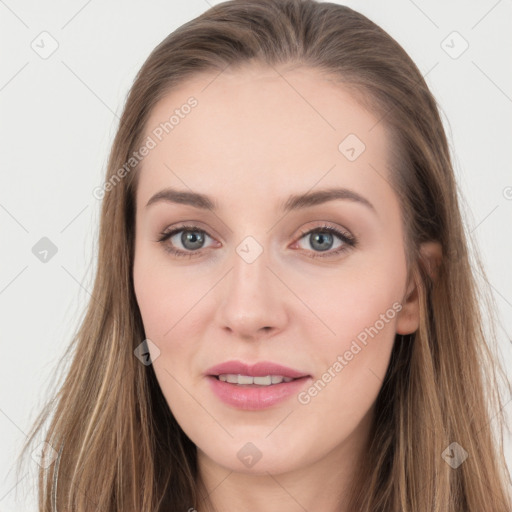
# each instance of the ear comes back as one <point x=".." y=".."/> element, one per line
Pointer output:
<point x="408" y="319"/>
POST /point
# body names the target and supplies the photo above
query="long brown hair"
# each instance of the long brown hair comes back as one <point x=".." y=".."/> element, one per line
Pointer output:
<point x="119" y="446"/>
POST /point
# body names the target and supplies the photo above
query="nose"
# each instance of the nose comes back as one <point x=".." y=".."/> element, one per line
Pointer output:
<point x="252" y="304"/>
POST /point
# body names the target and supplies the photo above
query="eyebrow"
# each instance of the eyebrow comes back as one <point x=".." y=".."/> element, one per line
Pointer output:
<point x="294" y="202"/>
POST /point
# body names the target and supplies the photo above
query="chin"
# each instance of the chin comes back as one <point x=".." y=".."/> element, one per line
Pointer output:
<point x="255" y="457"/>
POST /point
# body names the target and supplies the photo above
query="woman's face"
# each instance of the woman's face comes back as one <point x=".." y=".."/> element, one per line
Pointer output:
<point x="282" y="157"/>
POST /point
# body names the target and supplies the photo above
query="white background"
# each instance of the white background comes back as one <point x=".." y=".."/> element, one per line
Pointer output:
<point x="59" y="116"/>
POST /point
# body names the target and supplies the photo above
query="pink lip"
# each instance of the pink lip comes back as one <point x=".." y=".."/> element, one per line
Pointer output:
<point x="259" y="369"/>
<point x="250" y="397"/>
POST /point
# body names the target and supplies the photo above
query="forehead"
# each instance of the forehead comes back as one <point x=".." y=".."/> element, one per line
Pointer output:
<point x="267" y="127"/>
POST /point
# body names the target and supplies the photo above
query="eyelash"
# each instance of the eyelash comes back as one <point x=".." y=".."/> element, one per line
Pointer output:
<point x="349" y="241"/>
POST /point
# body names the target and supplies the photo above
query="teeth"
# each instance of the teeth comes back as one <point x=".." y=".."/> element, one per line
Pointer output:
<point x="244" y="379"/>
<point x="260" y="381"/>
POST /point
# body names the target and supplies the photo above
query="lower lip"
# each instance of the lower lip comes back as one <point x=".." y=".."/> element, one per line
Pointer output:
<point x="255" y="398"/>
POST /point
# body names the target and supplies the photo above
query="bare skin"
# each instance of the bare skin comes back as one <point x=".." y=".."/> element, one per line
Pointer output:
<point x="250" y="143"/>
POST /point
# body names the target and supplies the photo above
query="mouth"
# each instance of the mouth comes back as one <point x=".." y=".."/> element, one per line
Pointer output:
<point x="252" y="381"/>
<point x="250" y="393"/>
<point x="255" y="386"/>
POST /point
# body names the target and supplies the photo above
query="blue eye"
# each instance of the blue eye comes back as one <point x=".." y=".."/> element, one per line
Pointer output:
<point x="322" y="238"/>
<point x="193" y="238"/>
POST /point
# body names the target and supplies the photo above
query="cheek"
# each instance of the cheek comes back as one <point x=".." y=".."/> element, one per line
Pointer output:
<point x="345" y="303"/>
<point x="364" y="327"/>
<point x="174" y="305"/>
<point x="165" y="295"/>
<point x="166" y="299"/>
<point x="361" y="310"/>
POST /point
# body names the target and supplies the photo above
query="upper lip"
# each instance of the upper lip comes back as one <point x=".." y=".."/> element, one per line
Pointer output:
<point x="259" y="369"/>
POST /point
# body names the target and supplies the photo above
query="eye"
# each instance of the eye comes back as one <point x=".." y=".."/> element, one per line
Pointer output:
<point x="191" y="238"/>
<point x="322" y="238"/>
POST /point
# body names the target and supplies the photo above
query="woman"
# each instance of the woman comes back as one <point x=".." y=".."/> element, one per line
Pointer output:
<point x="284" y="314"/>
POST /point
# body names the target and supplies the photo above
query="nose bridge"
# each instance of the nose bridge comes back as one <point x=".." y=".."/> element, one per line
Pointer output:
<point x="250" y="279"/>
<point x="252" y="300"/>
